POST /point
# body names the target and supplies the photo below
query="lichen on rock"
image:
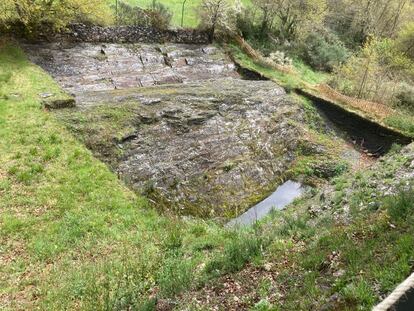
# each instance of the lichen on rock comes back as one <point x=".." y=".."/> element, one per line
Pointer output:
<point x="178" y="123"/>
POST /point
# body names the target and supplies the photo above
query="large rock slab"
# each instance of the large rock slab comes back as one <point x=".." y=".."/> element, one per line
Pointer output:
<point x="208" y="149"/>
<point x="86" y="67"/>
<point x="177" y="122"/>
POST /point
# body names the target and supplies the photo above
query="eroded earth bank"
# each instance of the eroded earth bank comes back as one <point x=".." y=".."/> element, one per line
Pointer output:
<point x="179" y="124"/>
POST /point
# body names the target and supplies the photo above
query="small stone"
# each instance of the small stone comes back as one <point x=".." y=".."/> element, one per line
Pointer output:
<point x="46" y="95"/>
<point x="268" y="266"/>
<point x="339" y="273"/>
<point x="59" y="103"/>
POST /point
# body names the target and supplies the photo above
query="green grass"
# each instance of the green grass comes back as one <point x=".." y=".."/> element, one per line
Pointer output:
<point x="298" y="78"/>
<point x="191" y="18"/>
<point x="318" y="256"/>
<point x="72" y="235"/>
<point x="404" y="122"/>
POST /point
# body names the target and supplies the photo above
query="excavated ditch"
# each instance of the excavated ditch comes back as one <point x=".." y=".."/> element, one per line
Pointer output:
<point x="367" y="136"/>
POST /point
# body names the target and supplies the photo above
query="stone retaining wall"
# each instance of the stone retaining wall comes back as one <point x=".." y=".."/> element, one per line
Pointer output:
<point x="135" y="34"/>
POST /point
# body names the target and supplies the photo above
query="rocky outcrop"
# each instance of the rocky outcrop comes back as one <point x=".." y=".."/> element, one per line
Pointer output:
<point x="86" y="67"/>
<point x="208" y="149"/>
<point x="177" y="122"/>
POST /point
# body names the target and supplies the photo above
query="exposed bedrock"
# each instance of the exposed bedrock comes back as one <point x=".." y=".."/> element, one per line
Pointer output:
<point x="207" y="149"/>
<point x="87" y="67"/>
<point x="177" y="123"/>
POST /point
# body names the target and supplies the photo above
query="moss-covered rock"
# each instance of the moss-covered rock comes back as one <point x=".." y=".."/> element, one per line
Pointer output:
<point x="178" y="123"/>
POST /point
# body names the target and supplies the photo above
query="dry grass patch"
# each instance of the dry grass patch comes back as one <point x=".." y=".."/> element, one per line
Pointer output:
<point x="377" y="110"/>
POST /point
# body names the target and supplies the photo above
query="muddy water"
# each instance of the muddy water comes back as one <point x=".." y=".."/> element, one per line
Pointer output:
<point x="283" y="196"/>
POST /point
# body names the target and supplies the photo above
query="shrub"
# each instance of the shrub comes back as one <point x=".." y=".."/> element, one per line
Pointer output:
<point x="129" y="15"/>
<point x="280" y="58"/>
<point x="405" y="97"/>
<point x="323" y="50"/>
<point x="35" y="16"/>
<point x="156" y="15"/>
<point x="247" y="27"/>
<point x="159" y="15"/>
<point x="236" y="254"/>
<point x="175" y="276"/>
<point x="401" y="206"/>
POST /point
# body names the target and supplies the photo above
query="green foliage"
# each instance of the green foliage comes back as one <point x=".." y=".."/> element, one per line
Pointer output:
<point x="301" y="74"/>
<point x="60" y="204"/>
<point x="405" y="97"/>
<point x="175" y="7"/>
<point x="263" y="305"/>
<point x="38" y="15"/>
<point x="241" y="249"/>
<point x="289" y="19"/>
<point x="359" y="293"/>
<point x="174" y="238"/>
<point x="175" y="276"/>
<point x="405" y="40"/>
<point x="355" y="21"/>
<point x="401" y="206"/>
<point x="159" y="15"/>
<point x="370" y="73"/>
<point x="156" y="15"/>
<point x="324" y="51"/>
<point x="403" y="122"/>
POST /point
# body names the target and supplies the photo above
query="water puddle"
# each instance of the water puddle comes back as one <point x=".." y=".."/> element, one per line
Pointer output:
<point x="283" y="196"/>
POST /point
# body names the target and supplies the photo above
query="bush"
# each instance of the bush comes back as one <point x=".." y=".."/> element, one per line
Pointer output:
<point x="32" y="17"/>
<point x="237" y="253"/>
<point x="323" y="50"/>
<point x="129" y="15"/>
<point x="405" y="97"/>
<point x="159" y="15"/>
<point x="175" y="276"/>
<point x="280" y="58"/>
<point x="401" y="206"/>
<point x="247" y="27"/>
<point x="156" y="15"/>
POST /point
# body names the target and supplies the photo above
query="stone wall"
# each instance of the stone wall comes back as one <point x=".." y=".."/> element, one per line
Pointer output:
<point x="133" y="34"/>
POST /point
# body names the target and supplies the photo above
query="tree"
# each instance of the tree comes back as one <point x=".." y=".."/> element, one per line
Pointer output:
<point x="216" y="14"/>
<point x="290" y="16"/>
<point x="182" y="12"/>
<point x="356" y="20"/>
<point x="376" y="73"/>
<point x="35" y="15"/>
<point x="405" y="40"/>
<point x="268" y="13"/>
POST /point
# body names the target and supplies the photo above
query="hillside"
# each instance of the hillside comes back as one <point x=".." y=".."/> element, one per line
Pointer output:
<point x="206" y="155"/>
<point x="191" y="18"/>
<point x="73" y="236"/>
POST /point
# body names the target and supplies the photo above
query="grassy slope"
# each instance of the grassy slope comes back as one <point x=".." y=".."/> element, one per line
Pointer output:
<point x="190" y="16"/>
<point x="71" y="235"/>
<point x="322" y="259"/>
